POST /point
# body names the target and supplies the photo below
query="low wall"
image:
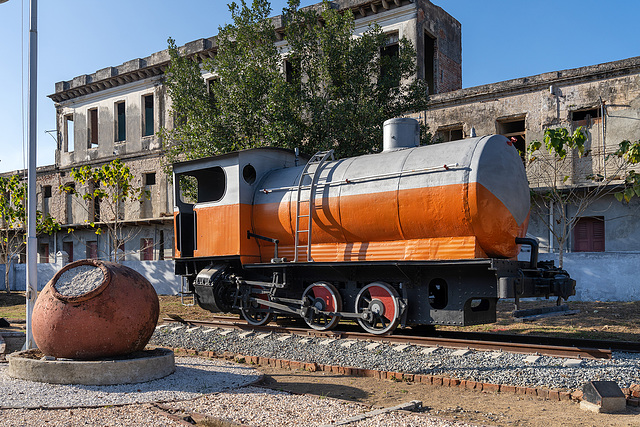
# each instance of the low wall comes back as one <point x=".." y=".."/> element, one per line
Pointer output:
<point x="604" y="276"/>
<point x="159" y="273"/>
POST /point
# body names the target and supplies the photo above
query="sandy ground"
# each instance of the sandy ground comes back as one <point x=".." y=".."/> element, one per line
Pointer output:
<point x="483" y="408"/>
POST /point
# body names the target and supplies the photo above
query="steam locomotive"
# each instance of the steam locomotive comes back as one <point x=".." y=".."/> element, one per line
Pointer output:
<point x="413" y="235"/>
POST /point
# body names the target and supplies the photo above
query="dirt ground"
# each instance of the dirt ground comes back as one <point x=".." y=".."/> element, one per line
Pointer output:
<point x="600" y="320"/>
<point x="482" y="408"/>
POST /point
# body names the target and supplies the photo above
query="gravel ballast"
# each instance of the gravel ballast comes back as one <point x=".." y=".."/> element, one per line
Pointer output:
<point x="193" y="378"/>
<point x="480" y="366"/>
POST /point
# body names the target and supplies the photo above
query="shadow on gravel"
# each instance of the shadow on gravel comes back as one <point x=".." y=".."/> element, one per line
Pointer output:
<point x="321" y="389"/>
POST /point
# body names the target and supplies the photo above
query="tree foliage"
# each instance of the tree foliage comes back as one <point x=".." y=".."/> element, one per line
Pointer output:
<point x="318" y="89"/>
<point x="111" y="186"/>
<point x="13" y="218"/>
<point x="565" y="184"/>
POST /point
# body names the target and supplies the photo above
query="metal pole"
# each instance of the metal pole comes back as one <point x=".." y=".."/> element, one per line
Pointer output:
<point x="32" y="240"/>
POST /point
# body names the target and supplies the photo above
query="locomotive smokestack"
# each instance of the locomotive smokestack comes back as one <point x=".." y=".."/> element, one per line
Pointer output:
<point x="400" y="133"/>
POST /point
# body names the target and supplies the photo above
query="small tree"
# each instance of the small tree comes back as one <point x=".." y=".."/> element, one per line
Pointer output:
<point x="111" y="186"/>
<point x="323" y="89"/>
<point x="564" y="183"/>
<point x="13" y="217"/>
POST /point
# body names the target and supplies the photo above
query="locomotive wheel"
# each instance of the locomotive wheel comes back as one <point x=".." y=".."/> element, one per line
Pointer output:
<point x="325" y="297"/>
<point x="380" y="301"/>
<point x="255" y="313"/>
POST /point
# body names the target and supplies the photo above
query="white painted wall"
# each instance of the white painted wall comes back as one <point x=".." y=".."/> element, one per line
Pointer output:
<point x="159" y="273"/>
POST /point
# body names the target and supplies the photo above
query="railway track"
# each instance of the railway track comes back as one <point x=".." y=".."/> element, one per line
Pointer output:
<point x="547" y="346"/>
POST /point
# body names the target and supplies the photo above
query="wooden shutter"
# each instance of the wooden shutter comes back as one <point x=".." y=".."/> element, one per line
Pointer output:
<point x="589" y="235"/>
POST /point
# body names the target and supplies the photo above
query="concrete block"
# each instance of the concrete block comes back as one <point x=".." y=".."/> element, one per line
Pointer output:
<point x="461" y="352"/>
<point x="401" y="348"/>
<point x="263" y="336"/>
<point x="603" y="396"/>
<point x="429" y="350"/>
<point x="347" y="344"/>
<point x="531" y="359"/>
<point x="305" y="340"/>
<point x="327" y="341"/>
<point x="572" y="363"/>
<point x="373" y="346"/>
<point x="284" y="338"/>
<point x="247" y="334"/>
<point x="209" y="330"/>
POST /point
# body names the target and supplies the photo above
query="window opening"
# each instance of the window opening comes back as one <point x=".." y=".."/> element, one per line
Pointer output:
<point x="249" y="174"/>
<point x="70" y="195"/>
<point x="92" y="250"/>
<point x="92" y="128"/>
<point x="387" y="55"/>
<point x="150" y="178"/>
<point x="46" y="199"/>
<point x="148" y="128"/>
<point x="44" y="253"/>
<point x="451" y="133"/>
<point x="161" y="246"/>
<point x="146" y="249"/>
<point x="69" y="133"/>
<point x="514" y="129"/>
<point x="589" y="234"/>
<point x="585" y="118"/>
<point x="429" y="62"/>
<point x="68" y="248"/>
<point x="121" y="122"/>
<point x="206" y="185"/>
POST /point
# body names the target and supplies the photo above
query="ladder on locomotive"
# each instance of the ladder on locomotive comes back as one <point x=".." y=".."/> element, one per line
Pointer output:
<point x="312" y="172"/>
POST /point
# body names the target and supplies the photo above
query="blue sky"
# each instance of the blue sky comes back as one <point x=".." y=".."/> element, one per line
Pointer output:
<point x="501" y="40"/>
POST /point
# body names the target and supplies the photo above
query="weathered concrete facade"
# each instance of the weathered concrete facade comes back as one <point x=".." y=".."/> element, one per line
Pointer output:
<point x="603" y="98"/>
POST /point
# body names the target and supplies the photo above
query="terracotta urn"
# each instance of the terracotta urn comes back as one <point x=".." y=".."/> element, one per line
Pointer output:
<point x="94" y="309"/>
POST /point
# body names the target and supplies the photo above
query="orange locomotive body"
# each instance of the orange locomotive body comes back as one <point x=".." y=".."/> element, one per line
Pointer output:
<point x="412" y="236"/>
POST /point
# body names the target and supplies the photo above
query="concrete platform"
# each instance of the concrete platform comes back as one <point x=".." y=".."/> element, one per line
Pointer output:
<point x="140" y="367"/>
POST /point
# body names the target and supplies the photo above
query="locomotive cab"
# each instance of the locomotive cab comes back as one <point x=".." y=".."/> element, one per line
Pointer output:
<point x="213" y="204"/>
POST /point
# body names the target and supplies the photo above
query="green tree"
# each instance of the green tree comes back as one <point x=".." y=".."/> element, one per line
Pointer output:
<point x="565" y="181"/>
<point x="109" y="186"/>
<point x="333" y="91"/>
<point x="13" y="218"/>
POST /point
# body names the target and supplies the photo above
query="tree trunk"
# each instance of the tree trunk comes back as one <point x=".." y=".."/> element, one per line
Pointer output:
<point x="6" y="277"/>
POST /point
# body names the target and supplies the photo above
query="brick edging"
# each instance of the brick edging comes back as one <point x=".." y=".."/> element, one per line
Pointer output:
<point x="632" y="394"/>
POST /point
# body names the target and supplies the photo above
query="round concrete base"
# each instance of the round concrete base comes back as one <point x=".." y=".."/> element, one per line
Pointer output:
<point x="139" y="367"/>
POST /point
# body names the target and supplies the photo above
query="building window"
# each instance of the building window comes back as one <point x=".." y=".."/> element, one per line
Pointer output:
<point x="68" y="248"/>
<point x="586" y="118"/>
<point x="92" y="128"/>
<point x="589" y="234"/>
<point x="120" y="122"/>
<point x="92" y="250"/>
<point x="387" y="54"/>
<point x="150" y="178"/>
<point x="43" y="252"/>
<point x="430" y="45"/>
<point x="68" y="133"/>
<point x="450" y="133"/>
<point x="513" y="128"/>
<point x="146" y="249"/>
<point x="70" y="202"/>
<point x="46" y="199"/>
<point x="147" y="116"/>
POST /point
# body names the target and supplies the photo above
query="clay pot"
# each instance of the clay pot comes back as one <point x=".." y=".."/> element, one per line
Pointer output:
<point x="94" y="309"/>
